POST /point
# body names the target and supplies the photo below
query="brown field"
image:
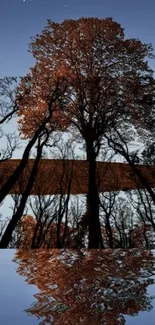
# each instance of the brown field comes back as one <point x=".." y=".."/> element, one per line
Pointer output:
<point x="52" y="176"/>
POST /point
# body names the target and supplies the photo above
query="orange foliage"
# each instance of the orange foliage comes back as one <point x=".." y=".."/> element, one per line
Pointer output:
<point x="38" y="91"/>
<point x="101" y="70"/>
<point x="26" y="229"/>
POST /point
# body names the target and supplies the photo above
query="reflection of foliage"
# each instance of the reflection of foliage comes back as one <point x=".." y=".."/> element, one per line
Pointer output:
<point x="81" y="287"/>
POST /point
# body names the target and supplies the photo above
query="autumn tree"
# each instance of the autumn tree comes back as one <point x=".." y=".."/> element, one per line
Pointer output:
<point x="107" y="76"/>
<point x="40" y="137"/>
<point x="40" y="128"/>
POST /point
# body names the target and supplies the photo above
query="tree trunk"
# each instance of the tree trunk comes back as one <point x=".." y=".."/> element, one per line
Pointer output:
<point x="109" y="232"/>
<point x="6" y="237"/>
<point x="24" y="161"/>
<point x="95" y="236"/>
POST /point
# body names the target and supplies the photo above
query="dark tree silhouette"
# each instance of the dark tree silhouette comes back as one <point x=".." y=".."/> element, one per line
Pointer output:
<point x="107" y="77"/>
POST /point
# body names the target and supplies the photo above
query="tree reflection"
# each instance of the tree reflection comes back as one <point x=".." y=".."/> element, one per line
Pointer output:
<point x="87" y="287"/>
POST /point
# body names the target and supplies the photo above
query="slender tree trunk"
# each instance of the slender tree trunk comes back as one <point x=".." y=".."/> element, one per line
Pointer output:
<point x="23" y="162"/>
<point x="143" y="180"/>
<point x="6" y="238"/>
<point x="109" y="232"/>
<point x="95" y="236"/>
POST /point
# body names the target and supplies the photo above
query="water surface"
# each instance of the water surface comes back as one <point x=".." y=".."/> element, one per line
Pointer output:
<point x="77" y="287"/>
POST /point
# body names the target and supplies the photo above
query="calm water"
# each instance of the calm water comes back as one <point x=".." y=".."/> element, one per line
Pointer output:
<point x="77" y="287"/>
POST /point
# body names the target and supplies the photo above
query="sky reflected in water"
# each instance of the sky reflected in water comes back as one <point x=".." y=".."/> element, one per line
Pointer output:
<point x="15" y="294"/>
<point x="112" y="287"/>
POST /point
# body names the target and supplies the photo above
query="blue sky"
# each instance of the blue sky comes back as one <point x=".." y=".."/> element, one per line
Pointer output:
<point x="19" y="20"/>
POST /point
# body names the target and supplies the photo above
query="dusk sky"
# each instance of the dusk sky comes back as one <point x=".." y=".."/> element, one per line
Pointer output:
<point x="20" y="20"/>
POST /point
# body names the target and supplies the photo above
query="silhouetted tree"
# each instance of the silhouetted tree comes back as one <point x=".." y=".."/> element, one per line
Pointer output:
<point x="18" y="213"/>
<point x="55" y="95"/>
<point x="106" y="76"/>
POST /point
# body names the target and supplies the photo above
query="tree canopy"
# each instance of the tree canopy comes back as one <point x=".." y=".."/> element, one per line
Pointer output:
<point x="107" y="76"/>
